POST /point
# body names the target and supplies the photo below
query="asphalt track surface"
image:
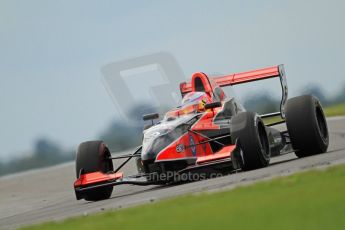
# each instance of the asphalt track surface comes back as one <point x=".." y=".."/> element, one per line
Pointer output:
<point x="47" y="194"/>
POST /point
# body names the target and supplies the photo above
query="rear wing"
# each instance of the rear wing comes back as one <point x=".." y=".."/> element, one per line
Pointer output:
<point x="249" y="76"/>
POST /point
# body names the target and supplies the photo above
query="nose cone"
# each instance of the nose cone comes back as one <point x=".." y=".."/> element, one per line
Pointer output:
<point x="154" y="143"/>
<point x="160" y="136"/>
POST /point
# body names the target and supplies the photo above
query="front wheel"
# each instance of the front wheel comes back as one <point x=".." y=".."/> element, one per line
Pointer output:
<point x="249" y="133"/>
<point x="92" y="156"/>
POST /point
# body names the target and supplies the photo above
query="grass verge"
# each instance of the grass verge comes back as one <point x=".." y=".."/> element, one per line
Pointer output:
<point x="335" y="110"/>
<point x="308" y="200"/>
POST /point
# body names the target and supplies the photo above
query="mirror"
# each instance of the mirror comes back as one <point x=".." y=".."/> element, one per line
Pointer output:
<point x="150" y="116"/>
<point x="213" y="105"/>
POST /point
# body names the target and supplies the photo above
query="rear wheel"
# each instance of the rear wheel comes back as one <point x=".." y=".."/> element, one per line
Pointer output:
<point x="249" y="133"/>
<point x="92" y="157"/>
<point x="307" y="126"/>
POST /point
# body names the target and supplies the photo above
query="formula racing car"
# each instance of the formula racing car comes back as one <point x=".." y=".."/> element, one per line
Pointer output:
<point x="209" y="132"/>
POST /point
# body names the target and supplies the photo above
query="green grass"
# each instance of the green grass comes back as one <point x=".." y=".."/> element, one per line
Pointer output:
<point x="309" y="200"/>
<point x="335" y="110"/>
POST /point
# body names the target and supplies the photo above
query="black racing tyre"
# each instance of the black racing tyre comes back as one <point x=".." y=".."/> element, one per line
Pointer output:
<point x="91" y="157"/>
<point x="307" y="125"/>
<point x="249" y="133"/>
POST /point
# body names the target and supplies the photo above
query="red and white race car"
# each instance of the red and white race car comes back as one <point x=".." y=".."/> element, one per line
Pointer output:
<point x="208" y="133"/>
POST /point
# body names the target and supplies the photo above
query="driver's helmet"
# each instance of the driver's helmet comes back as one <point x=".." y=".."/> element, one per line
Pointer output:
<point x="196" y="100"/>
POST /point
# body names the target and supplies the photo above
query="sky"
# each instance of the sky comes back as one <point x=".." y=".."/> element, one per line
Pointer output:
<point x="52" y="52"/>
